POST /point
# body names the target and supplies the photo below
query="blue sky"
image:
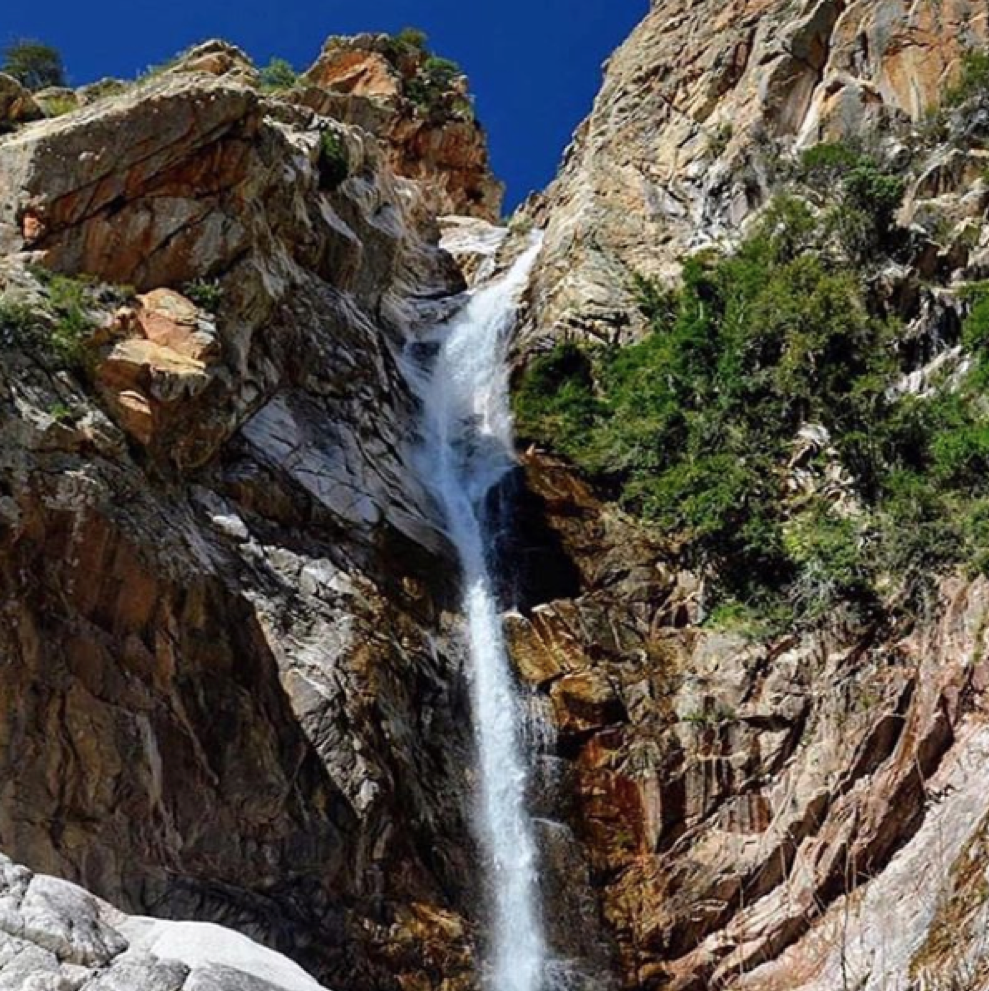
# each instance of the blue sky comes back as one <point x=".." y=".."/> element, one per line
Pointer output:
<point x="534" y="64"/>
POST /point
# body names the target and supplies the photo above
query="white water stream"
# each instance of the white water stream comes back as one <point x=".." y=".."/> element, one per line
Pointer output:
<point x="467" y="449"/>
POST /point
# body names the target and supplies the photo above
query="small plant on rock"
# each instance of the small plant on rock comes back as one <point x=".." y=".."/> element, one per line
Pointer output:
<point x="974" y="79"/>
<point x="207" y="294"/>
<point x="20" y="324"/>
<point x="412" y="38"/>
<point x="278" y="75"/>
<point x="334" y="160"/>
<point x="73" y="324"/>
<point x="434" y="80"/>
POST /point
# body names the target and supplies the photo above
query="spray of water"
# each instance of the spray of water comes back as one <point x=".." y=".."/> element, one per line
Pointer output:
<point x="467" y="449"/>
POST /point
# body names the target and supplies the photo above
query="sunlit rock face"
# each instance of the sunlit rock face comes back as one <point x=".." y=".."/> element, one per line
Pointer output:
<point x="228" y="690"/>
<point x="699" y="114"/>
<point x="431" y="136"/>
<point x="757" y="815"/>
<point x="230" y="686"/>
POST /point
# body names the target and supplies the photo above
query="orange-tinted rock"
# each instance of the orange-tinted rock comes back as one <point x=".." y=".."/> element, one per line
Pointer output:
<point x="357" y="73"/>
<point x="365" y="80"/>
<point x="167" y="318"/>
<point x="697" y="111"/>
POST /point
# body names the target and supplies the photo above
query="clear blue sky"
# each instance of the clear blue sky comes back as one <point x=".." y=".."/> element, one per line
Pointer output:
<point x="534" y="64"/>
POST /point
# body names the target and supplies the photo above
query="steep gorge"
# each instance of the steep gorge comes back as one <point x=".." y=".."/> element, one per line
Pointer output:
<point x="232" y="676"/>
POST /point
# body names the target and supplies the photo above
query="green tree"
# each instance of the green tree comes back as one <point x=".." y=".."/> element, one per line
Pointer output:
<point x="34" y="64"/>
<point x="278" y="74"/>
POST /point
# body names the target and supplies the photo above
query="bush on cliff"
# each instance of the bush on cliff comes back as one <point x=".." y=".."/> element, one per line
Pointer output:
<point x="278" y="75"/>
<point x="432" y="83"/>
<point x="694" y="428"/>
<point x="333" y="161"/>
<point x="973" y="82"/>
<point x="34" y="64"/>
<point x="55" y="330"/>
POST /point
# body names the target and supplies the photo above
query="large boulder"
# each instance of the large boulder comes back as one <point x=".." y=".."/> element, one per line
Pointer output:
<point x="17" y="105"/>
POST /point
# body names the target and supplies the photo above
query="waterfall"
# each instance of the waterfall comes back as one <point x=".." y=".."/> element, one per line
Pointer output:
<point x="467" y="448"/>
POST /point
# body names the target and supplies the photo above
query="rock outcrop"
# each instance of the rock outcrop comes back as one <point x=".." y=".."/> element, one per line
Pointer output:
<point x="17" y="105"/>
<point x="700" y="111"/>
<point x="56" y="935"/>
<point x="423" y="116"/>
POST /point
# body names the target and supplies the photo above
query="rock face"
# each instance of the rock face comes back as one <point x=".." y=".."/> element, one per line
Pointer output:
<point x="231" y="679"/>
<point x="427" y="126"/>
<point x="811" y="812"/>
<point x="225" y="650"/>
<point x="17" y="105"/>
<point x="762" y="816"/>
<point x="699" y="112"/>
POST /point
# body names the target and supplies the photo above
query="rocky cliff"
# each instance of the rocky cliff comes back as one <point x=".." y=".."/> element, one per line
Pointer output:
<point x="699" y="113"/>
<point x="809" y="811"/>
<point x="225" y="646"/>
<point x="231" y="678"/>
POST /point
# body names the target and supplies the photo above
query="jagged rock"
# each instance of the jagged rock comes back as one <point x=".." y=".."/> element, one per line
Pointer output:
<point x="699" y="109"/>
<point x="17" y="105"/>
<point x="364" y="80"/>
<point x="217" y="58"/>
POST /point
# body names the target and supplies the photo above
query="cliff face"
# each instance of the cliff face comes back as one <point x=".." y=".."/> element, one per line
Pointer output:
<point x="231" y="681"/>
<point x="225" y="652"/>
<point x="698" y="114"/>
<point x="808" y="812"/>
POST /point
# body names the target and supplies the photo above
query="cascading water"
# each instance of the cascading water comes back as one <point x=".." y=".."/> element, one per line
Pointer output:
<point x="467" y="449"/>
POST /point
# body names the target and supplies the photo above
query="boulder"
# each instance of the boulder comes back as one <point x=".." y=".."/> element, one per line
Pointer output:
<point x="17" y="105"/>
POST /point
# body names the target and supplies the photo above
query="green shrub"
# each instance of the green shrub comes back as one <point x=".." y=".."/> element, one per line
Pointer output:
<point x="822" y="164"/>
<point x="57" y="106"/>
<point x="692" y="427"/>
<point x="875" y="192"/>
<point x="334" y="160"/>
<point x="555" y="400"/>
<point x="277" y="75"/>
<point x="827" y="551"/>
<point x="973" y="81"/>
<point x="34" y="64"/>
<point x="412" y="38"/>
<point x="73" y="325"/>
<point x="432" y="82"/>
<point x="20" y="324"/>
<point x="57" y="330"/>
<point x="207" y="294"/>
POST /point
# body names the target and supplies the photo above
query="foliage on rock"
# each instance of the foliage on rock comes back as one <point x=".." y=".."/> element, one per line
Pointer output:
<point x="699" y="427"/>
<point x="334" y="160"/>
<point x="34" y="64"/>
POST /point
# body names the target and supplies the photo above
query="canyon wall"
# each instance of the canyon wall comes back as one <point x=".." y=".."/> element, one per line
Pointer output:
<point x="231" y="679"/>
